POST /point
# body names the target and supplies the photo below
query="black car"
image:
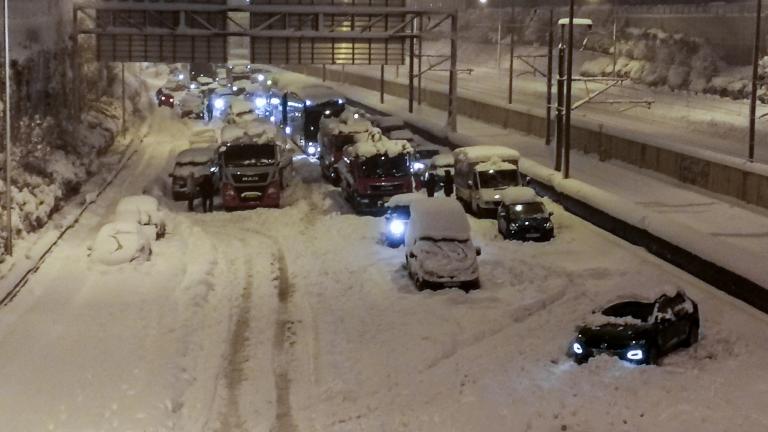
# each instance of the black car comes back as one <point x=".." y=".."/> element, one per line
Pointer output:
<point x="639" y="332"/>
<point x="523" y="216"/>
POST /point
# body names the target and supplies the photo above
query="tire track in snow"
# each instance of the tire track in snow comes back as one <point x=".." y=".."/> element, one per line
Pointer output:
<point x="282" y="349"/>
<point x="238" y="357"/>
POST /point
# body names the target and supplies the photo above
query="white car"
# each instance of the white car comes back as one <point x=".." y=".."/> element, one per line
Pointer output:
<point x="439" y="250"/>
<point x="120" y="243"/>
<point x="145" y="211"/>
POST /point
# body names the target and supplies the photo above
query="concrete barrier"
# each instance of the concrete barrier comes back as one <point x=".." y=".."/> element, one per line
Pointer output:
<point x="713" y="175"/>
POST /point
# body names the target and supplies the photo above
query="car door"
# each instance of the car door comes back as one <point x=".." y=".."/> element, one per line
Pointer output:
<point x="671" y="329"/>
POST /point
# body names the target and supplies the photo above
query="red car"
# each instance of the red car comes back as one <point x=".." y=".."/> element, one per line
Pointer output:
<point x="165" y="99"/>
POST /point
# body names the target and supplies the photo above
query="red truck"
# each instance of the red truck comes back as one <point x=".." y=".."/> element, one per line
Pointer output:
<point x="373" y="170"/>
<point x="335" y="134"/>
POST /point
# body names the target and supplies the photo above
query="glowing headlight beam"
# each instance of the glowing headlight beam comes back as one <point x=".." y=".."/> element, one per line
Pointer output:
<point x="635" y="354"/>
<point x="396" y="227"/>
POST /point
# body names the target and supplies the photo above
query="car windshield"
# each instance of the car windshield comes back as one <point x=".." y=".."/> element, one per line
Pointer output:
<point x="528" y="210"/>
<point x="250" y="155"/>
<point x="497" y="179"/>
<point x="400" y="212"/>
<point x="425" y="154"/>
<point x="381" y="166"/>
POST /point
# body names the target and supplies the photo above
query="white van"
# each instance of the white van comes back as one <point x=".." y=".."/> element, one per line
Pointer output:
<point x="439" y="250"/>
<point x="482" y="173"/>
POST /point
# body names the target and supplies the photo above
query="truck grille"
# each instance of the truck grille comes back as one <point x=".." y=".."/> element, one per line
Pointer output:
<point x="387" y="188"/>
<point x="257" y="178"/>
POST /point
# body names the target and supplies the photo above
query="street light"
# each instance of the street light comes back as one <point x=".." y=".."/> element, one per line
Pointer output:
<point x="8" y="202"/>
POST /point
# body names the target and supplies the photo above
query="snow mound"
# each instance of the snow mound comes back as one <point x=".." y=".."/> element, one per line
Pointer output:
<point x="142" y="210"/>
<point x="375" y="143"/>
<point x="202" y="137"/>
<point x="204" y="80"/>
<point x="405" y="199"/>
<point x="485" y="153"/>
<point x="495" y="164"/>
<point x="120" y="243"/>
<point x="258" y="131"/>
<point x="240" y="106"/>
<point x="230" y="133"/>
<point x="242" y="83"/>
<point x="439" y="219"/>
<point x="519" y="195"/>
<point x="198" y="155"/>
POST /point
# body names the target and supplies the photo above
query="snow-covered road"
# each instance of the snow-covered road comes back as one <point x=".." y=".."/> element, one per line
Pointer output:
<point x="297" y="320"/>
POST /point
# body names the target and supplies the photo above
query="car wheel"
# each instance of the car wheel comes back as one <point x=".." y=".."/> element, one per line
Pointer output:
<point x="475" y="208"/>
<point x="693" y="335"/>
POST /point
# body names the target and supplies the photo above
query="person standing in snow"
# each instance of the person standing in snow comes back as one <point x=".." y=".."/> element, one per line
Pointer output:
<point x="431" y="185"/>
<point x="207" y="192"/>
<point x="191" y="191"/>
<point x="448" y="183"/>
<point x="209" y="108"/>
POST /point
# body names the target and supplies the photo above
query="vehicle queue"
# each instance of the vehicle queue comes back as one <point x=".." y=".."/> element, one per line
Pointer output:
<point x="379" y="166"/>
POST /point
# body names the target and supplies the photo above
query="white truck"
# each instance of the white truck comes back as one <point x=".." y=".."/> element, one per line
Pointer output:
<point x="482" y="173"/>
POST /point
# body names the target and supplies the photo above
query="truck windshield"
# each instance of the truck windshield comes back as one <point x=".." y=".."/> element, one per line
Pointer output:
<point x="381" y="166"/>
<point x="250" y="155"/>
<point x="528" y="210"/>
<point x="342" y="140"/>
<point x="314" y="113"/>
<point x="497" y="179"/>
<point x="425" y="154"/>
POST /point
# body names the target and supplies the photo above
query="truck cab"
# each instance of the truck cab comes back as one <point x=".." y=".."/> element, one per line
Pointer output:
<point x="373" y="170"/>
<point x="251" y="170"/>
<point x="335" y="134"/>
<point x="482" y="173"/>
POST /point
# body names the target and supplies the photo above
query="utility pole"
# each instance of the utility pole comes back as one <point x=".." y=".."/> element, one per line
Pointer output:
<point x="122" y="73"/>
<point x="560" y="97"/>
<point x="511" y="63"/>
<point x="381" y="85"/>
<point x="498" y="46"/>
<point x="615" y="45"/>
<point x="8" y="200"/>
<point x="568" y="91"/>
<point x="550" y="47"/>
<point x="452" y="77"/>
<point x="755" y="77"/>
<point x="421" y="30"/>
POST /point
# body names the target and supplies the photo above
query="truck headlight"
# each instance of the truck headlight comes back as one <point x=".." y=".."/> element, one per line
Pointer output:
<point x="219" y="104"/>
<point x="418" y="166"/>
<point x="260" y="77"/>
<point x="396" y="227"/>
<point x="311" y="149"/>
<point x="635" y="354"/>
<point x="260" y="102"/>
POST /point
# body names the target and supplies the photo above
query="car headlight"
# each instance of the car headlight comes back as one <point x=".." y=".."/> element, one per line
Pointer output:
<point x="260" y="77"/>
<point x="261" y="102"/>
<point x="397" y="227"/>
<point x="418" y="166"/>
<point x="577" y="348"/>
<point x="311" y="150"/>
<point x="635" y="354"/>
<point x="219" y="104"/>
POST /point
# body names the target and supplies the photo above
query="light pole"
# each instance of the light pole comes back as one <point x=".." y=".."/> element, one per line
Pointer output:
<point x="8" y="201"/>
<point x="755" y="76"/>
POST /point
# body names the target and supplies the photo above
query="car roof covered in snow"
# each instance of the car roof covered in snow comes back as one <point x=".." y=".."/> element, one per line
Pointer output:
<point x="240" y="106"/>
<point x="388" y="122"/>
<point x="438" y="219"/>
<point x="426" y="145"/>
<point x="477" y="154"/>
<point x="401" y="134"/>
<point x="197" y="155"/>
<point x="316" y="93"/>
<point x="519" y="195"/>
<point x="405" y="199"/>
<point x="346" y="123"/>
<point x="443" y="160"/>
<point x="495" y="164"/>
<point x="375" y="143"/>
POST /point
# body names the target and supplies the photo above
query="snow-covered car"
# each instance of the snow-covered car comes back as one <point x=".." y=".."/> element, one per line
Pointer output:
<point x="423" y="152"/>
<point x="145" y="211"/>
<point x="121" y="242"/>
<point x="194" y="161"/>
<point x="397" y="218"/>
<point x="169" y="93"/>
<point x="191" y="104"/>
<point x="522" y="215"/>
<point x="387" y="124"/>
<point x="240" y="112"/>
<point x="638" y="332"/>
<point x="222" y="98"/>
<point x="261" y="75"/>
<point x="439" y="250"/>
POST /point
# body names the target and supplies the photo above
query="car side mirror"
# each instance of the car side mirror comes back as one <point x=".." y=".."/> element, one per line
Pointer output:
<point x="527" y="181"/>
<point x="478" y="251"/>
